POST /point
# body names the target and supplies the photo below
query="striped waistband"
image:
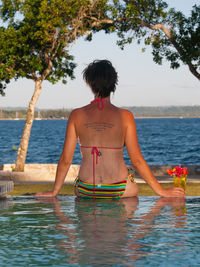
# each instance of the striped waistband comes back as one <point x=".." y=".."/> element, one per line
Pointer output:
<point x="115" y="190"/>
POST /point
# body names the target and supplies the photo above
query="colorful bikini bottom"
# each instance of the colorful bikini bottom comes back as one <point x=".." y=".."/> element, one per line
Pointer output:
<point x="115" y="190"/>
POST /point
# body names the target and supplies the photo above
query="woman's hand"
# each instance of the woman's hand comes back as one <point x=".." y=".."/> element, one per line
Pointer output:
<point x="172" y="192"/>
<point x="45" y="194"/>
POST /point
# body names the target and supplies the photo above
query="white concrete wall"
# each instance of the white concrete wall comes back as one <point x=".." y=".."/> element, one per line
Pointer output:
<point x="45" y="173"/>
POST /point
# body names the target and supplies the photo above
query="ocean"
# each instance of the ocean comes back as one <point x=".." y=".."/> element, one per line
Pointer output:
<point x="163" y="141"/>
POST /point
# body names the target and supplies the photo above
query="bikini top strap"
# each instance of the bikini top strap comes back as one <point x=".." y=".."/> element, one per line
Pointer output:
<point x="103" y="147"/>
<point x="95" y="150"/>
<point x="99" y="102"/>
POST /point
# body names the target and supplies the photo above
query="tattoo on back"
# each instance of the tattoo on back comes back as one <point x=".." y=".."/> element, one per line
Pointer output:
<point x="101" y="179"/>
<point x="99" y="126"/>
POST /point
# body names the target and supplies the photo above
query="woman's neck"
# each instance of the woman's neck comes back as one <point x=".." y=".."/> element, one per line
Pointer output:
<point x="100" y="101"/>
<point x="103" y="98"/>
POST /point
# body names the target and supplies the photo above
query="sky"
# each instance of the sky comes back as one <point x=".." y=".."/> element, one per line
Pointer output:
<point x="141" y="81"/>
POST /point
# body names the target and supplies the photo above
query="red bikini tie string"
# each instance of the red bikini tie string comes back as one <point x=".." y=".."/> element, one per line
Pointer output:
<point x="98" y="154"/>
<point x="99" y="102"/>
<point x="93" y="152"/>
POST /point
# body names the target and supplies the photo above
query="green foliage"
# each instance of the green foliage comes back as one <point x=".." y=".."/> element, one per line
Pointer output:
<point x="186" y="35"/>
<point x="36" y="36"/>
<point x="171" y="35"/>
<point x="15" y="148"/>
<point x="131" y="12"/>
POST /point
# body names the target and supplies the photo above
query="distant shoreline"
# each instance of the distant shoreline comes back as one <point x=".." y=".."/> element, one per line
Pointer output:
<point x="136" y="117"/>
<point x="41" y="119"/>
<point x="140" y="112"/>
<point x="166" y="117"/>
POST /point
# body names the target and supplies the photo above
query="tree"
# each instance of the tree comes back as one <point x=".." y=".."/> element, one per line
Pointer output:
<point x="35" y="42"/>
<point x="172" y="35"/>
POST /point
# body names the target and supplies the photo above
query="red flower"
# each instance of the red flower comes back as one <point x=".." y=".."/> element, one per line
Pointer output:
<point x="178" y="171"/>
<point x="185" y="172"/>
<point x="170" y="172"/>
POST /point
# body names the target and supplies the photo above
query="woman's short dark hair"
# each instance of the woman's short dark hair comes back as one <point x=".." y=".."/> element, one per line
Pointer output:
<point x="101" y="76"/>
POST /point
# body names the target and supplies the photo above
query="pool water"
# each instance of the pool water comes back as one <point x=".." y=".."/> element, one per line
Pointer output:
<point x="144" y="231"/>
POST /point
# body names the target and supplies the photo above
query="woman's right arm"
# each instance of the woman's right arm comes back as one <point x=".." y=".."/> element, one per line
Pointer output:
<point x="65" y="158"/>
<point x="140" y="164"/>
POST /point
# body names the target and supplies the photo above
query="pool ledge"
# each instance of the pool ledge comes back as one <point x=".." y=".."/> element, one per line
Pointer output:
<point x="5" y="188"/>
<point x="45" y="173"/>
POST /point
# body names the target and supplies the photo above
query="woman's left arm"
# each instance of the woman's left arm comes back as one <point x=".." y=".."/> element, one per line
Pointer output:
<point x="65" y="158"/>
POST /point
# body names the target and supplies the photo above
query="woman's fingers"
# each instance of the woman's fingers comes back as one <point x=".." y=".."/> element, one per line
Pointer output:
<point x="174" y="192"/>
<point x="44" y="194"/>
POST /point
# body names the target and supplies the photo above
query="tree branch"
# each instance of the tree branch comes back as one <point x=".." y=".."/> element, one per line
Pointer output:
<point x="174" y="43"/>
<point x="47" y="70"/>
<point x="103" y="21"/>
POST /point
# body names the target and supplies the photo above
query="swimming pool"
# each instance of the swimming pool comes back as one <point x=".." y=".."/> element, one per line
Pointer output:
<point x="144" y="231"/>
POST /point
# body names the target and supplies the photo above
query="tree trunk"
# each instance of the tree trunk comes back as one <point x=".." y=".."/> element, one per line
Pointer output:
<point x="23" y="147"/>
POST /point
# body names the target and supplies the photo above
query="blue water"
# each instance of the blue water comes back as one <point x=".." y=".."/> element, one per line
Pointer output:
<point x="148" y="231"/>
<point x="162" y="141"/>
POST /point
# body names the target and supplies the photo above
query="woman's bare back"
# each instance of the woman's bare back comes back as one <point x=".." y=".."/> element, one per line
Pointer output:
<point x="101" y="127"/>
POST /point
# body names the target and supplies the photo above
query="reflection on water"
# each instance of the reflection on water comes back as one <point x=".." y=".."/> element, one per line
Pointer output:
<point x="5" y="203"/>
<point x="148" y="231"/>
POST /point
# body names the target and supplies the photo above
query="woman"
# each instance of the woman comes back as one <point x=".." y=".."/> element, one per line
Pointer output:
<point x="103" y="130"/>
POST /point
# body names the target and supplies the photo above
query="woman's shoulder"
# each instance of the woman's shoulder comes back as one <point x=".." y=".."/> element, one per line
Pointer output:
<point x="76" y="113"/>
<point x="126" y="113"/>
<point x="127" y="117"/>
